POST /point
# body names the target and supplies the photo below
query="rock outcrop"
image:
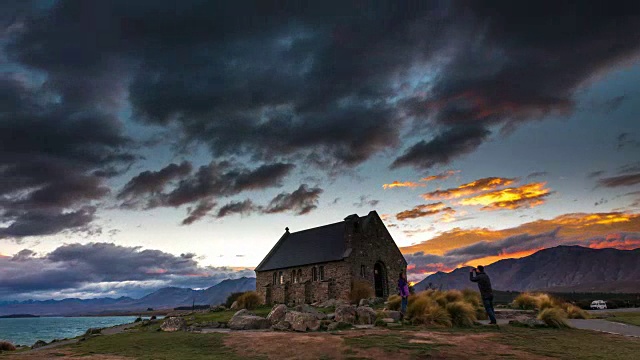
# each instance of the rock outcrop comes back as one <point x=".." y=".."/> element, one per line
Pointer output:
<point x="173" y="324"/>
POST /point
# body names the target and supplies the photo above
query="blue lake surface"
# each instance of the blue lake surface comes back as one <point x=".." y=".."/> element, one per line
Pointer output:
<point x="26" y="331"/>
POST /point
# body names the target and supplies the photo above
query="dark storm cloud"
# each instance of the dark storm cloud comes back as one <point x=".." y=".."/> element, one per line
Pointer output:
<point x="217" y="179"/>
<point x="237" y="207"/>
<point x="419" y="211"/>
<point x="301" y="201"/>
<point x="443" y="148"/>
<point x="198" y="212"/>
<point x="46" y="222"/>
<point x="75" y="266"/>
<point x="620" y="180"/>
<point x="154" y="181"/>
<point x="283" y="79"/>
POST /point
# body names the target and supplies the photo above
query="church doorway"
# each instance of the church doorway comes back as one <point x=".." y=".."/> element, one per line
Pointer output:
<point x="380" y="279"/>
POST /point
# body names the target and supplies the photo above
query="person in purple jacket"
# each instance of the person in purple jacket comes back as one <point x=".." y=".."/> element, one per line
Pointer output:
<point x="403" y="291"/>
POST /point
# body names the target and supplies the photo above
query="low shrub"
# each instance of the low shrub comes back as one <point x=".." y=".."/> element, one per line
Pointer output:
<point x="393" y="303"/>
<point x="360" y="290"/>
<point x="6" y="346"/>
<point x="462" y="314"/>
<point x="554" y="317"/>
<point x="249" y="300"/>
<point x="544" y="301"/>
<point x="232" y="298"/>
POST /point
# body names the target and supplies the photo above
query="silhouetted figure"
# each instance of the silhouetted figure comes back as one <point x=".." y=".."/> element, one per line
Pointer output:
<point x="403" y="291"/>
<point x="484" y="284"/>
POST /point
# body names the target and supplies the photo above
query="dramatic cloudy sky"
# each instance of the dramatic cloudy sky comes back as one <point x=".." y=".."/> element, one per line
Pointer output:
<point x="154" y="143"/>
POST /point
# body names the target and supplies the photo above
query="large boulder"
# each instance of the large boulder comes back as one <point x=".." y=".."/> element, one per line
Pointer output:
<point x="173" y="324"/>
<point x="277" y="314"/>
<point x="301" y="321"/>
<point x="305" y="308"/>
<point x="365" y="315"/>
<point x="345" y="313"/>
<point x="244" y="320"/>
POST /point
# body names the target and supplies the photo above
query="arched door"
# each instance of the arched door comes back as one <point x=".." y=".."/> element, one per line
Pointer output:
<point x="380" y="279"/>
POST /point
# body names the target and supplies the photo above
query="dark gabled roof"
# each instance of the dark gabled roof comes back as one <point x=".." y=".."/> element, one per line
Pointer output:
<point x="311" y="246"/>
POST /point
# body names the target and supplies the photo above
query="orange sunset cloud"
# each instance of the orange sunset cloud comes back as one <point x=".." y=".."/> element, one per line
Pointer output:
<point x="572" y="227"/>
<point x="397" y="184"/>
<point x="474" y="187"/>
<point x="424" y="210"/>
<point x="529" y="195"/>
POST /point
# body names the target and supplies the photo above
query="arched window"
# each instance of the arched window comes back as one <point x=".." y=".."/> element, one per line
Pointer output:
<point x="293" y="277"/>
<point x="300" y="275"/>
<point x="314" y="274"/>
<point x="281" y="277"/>
<point x="275" y="277"/>
<point x="362" y="271"/>
<point x="321" y="273"/>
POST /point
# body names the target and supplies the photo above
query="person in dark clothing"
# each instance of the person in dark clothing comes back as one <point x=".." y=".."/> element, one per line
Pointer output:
<point x="484" y="285"/>
<point x="403" y="291"/>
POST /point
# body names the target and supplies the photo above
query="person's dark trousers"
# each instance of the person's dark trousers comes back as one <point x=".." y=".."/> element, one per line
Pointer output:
<point x="403" y="305"/>
<point x="488" y="306"/>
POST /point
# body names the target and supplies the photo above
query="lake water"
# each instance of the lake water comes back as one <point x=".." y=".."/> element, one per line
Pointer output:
<point x="26" y="331"/>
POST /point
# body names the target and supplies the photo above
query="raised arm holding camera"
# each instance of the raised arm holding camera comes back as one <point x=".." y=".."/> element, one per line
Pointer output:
<point x="484" y="285"/>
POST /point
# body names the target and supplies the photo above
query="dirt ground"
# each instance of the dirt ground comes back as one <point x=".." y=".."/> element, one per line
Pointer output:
<point x="307" y="346"/>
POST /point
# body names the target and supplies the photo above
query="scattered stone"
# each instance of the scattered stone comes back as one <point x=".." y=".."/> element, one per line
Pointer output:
<point x="234" y="306"/>
<point x="362" y="326"/>
<point x="38" y="344"/>
<point x="394" y="325"/>
<point x="345" y="313"/>
<point x="331" y="316"/>
<point x="311" y="310"/>
<point x="153" y="318"/>
<point x="395" y="315"/>
<point x="301" y="321"/>
<point x="334" y="326"/>
<point x="388" y="320"/>
<point x="138" y="319"/>
<point x="244" y="321"/>
<point x="365" y="315"/>
<point x="173" y="324"/>
<point x="218" y="308"/>
<point x="93" y="331"/>
<point x="363" y="302"/>
<point x="281" y="326"/>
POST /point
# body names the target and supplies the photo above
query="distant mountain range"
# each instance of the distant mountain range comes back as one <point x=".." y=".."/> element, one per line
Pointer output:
<point x="558" y="269"/>
<point x="165" y="298"/>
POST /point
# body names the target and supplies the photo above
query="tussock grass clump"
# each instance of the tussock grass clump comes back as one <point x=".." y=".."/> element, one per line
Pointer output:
<point x="525" y="301"/>
<point x="462" y="314"/>
<point x="434" y="315"/>
<point x="249" y="300"/>
<point x="574" y="312"/>
<point x="6" y="346"/>
<point x="544" y="301"/>
<point x="394" y="302"/>
<point x="360" y="290"/>
<point x="554" y="317"/>
<point x="453" y="296"/>
<point x="472" y="297"/>
<point x="418" y="307"/>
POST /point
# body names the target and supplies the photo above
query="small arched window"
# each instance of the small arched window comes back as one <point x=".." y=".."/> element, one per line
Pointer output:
<point x="294" y="279"/>
<point x="314" y="274"/>
<point x="300" y="275"/>
<point x="275" y="278"/>
<point x="362" y="271"/>
<point x="321" y="273"/>
<point x="281" y="277"/>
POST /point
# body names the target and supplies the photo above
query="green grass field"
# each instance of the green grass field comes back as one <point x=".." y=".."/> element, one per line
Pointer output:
<point x="630" y="318"/>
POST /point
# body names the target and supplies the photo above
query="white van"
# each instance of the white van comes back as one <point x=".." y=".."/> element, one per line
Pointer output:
<point x="598" y="305"/>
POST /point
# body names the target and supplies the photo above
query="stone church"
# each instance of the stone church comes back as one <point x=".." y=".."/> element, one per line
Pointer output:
<point x="322" y="263"/>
